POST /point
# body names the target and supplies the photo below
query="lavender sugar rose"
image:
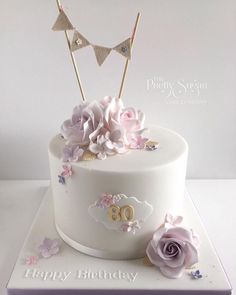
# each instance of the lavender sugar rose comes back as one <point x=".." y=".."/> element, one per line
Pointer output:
<point x="173" y="248"/>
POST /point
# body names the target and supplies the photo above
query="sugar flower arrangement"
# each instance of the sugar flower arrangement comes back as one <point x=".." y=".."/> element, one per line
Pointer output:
<point x="103" y="128"/>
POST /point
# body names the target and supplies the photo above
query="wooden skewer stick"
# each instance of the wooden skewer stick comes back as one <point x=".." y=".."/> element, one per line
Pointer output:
<point x="127" y="60"/>
<point x="73" y="58"/>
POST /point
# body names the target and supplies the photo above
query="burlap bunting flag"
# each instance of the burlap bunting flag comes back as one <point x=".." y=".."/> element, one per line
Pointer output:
<point x="124" y="48"/>
<point x="101" y="53"/>
<point x="62" y="23"/>
<point x="78" y="41"/>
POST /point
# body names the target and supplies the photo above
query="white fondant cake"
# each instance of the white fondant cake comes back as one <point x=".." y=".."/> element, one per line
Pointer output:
<point x="111" y="208"/>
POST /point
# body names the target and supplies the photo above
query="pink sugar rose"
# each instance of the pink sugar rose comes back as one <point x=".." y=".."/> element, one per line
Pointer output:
<point x="128" y="121"/>
<point x="132" y="122"/>
<point x="172" y="249"/>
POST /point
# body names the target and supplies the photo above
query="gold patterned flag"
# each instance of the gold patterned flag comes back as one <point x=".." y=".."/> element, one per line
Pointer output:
<point x="62" y="23"/>
<point x="124" y="48"/>
<point x="101" y="53"/>
<point x="78" y="41"/>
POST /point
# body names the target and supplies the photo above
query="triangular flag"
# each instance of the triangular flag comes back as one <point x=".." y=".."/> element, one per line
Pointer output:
<point x="124" y="48"/>
<point x="62" y="23"/>
<point x="78" y="41"/>
<point x="101" y="53"/>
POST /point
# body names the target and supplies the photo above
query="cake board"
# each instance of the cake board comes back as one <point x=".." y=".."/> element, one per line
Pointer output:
<point x="71" y="272"/>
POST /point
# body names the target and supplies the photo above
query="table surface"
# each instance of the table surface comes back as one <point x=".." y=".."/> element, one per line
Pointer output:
<point x="214" y="199"/>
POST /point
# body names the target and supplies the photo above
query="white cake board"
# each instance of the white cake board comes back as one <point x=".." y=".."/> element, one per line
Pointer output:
<point x="71" y="272"/>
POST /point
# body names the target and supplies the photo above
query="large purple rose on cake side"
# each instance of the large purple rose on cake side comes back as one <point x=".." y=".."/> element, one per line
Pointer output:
<point x="173" y="248"/>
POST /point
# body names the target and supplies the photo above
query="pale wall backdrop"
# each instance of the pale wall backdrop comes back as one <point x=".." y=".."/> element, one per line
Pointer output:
<point x="187" y="46"/>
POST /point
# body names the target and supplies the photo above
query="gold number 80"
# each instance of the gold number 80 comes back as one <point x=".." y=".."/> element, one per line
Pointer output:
<point x="125" y="213"/>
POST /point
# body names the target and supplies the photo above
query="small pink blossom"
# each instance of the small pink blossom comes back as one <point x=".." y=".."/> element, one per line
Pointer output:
<point x="130" y="226"/>
<point x="31" y="260"/>
<point x="137" y="142"/>
<point x="49" y="247"/>
<point x="173" y="220"/>
<point x="67" y="171"/>
<point x="105" y="201"/>
<point x="132" y="119"/>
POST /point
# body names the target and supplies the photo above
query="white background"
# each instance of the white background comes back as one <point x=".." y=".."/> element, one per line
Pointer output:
<point x="177" y="40"/>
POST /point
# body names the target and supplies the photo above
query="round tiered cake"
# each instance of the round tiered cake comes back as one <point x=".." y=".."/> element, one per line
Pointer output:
<point x="113" y="181"/>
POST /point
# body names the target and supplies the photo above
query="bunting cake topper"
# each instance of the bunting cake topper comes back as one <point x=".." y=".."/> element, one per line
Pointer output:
<point x="78" y="41"/>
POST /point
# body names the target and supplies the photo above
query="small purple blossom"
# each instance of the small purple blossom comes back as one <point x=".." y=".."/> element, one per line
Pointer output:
<point x="196" y="274"/>
<point x="61" y="179"/>
<point x="72" y="153"/>
<point x="130" y="226"/>
<point x="49" y="247"/>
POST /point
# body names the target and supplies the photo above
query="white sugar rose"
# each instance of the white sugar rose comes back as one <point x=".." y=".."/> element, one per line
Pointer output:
<point x="85" y="125"/>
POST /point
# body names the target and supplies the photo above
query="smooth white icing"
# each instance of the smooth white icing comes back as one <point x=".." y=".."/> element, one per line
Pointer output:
<point x="156" y="177"/>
